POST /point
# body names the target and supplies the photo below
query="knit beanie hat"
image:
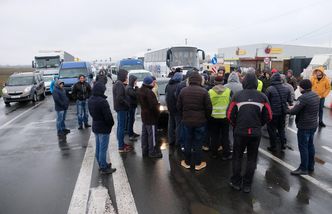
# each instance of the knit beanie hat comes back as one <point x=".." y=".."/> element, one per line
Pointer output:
<point x="147" y="80"/>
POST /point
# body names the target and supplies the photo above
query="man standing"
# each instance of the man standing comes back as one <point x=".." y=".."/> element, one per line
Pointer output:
<point x="131" y="93"/>
<point x="149" y="114"/>
<point x="278" y="96"/>
<point x="81" y="93"/>
<point x="194" y="105"/>
<point x="220" y="98"/>
<point x="234" y="83"/>
<point x="61" y="102"/>
<point x="291" y="79"/>
<point x="121" y="106"/>
<point x="173" y="117"/>
<point x="101" y="125"/>
<point x="248" y="112"/>
<point x="322" y="86"/>
<point x="306" y="111"/>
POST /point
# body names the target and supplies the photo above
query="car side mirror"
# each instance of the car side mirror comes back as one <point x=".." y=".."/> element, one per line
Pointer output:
<point x="33" y="64"/>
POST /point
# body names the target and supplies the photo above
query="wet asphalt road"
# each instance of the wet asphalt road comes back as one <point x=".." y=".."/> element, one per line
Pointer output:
<point x="37" y="175"/>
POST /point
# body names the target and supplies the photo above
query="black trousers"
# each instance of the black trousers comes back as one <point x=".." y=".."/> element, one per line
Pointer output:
<point x="150" y="144"/>
<point x="220" y="136"/>
<point x="240" y="144"/>
<point x="276" y="129"/>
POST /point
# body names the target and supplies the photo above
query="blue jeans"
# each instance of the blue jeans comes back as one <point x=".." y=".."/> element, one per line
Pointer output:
<point x="102" y="141"/>
<point x="82" y="113"/>
<point x="121" y="115"/>
<point x="305" y="138"/>
<point x="321" y="108"/>
<point x="180" y="132"/>
<point x="60" y="121"/>
<point x="131" y="121"/>
<point x="173" y="122"/>
<point x="194" y="141"/>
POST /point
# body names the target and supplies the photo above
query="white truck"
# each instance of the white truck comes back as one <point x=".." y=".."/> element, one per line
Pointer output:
<point x="48" y="63"/>
<point x="324" y="60"/>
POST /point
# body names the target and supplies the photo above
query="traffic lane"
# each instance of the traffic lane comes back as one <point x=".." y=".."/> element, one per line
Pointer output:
<point x="38" y="174"/>
<point x="163" y="186"/>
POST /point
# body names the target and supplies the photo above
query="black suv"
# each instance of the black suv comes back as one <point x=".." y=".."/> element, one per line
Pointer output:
<point x="22" y="87"/>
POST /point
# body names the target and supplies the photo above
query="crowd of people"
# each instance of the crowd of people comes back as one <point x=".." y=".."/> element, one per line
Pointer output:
<point x="203" y="110"/>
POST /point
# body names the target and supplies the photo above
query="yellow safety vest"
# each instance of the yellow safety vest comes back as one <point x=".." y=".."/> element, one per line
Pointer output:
<point x="220" y="103"/>
<point x="260" y="86"/>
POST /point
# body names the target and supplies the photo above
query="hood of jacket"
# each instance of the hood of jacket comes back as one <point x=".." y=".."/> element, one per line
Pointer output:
<point x="233" y="77"/>
<point x="132" y="79"/>
<point x="122" y="75"/>
<point x="178" y="77"/>
<point x="250" y="81"/>
<point x="195" y="79"/>
<point x="276" y="79"/>
<point x="219" y="89"/>
<point x="99" y="90"/>
<point x="321" y="69"/>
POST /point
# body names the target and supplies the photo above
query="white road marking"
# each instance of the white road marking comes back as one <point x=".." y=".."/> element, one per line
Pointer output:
<point x="327" y="148"/>
<point x="18" y="116"/>
<point x="292" y="130"/>
<point x="290" y="167"/>
<point x="80" y="197"/>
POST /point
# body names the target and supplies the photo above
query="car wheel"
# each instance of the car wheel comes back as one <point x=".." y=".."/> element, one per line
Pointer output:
<point x="7" y="104"/>
<point x="43" y="95"/>
<point x="35" y="98"/>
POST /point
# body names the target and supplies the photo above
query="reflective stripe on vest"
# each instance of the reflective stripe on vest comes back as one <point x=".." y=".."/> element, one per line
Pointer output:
<point x="220" y="103"/>
<point x="260" y="86"/>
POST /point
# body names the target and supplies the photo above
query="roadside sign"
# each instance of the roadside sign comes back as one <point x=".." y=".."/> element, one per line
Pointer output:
<point x="214" y="60"/>
<point x="266" y="60"/>
<point x="214" y="69"/>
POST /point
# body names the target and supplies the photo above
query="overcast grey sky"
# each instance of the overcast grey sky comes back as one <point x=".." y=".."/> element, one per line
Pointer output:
<point x="95" y="29"/>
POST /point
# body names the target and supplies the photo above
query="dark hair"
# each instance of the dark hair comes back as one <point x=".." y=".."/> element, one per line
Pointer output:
<point x="81" y="75"/>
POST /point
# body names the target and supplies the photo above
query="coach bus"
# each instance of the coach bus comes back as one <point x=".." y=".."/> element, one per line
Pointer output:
<point x="160" y="62"/>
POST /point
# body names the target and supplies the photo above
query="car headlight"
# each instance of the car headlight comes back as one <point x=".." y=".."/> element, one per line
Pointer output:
<point x="27" y="89"/>
<point x="4" y="91"/>
<point x="162" y="108"/>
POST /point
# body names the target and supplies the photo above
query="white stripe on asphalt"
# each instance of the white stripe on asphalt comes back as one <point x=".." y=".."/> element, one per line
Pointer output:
<point x="20" y="115"/>
<point x="79" y="199"/>
<point x="292" y="130"/>
<point x="290" y="167"/>
<point x="123" y="194"/>
<point x="327" y="148"/>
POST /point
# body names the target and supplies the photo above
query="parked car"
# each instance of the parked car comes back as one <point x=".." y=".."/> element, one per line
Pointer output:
<point x="163" y="118"/>
<point x="22" y="87"/>
<point x="47" y="81"/>
<point x="140" y="74"/>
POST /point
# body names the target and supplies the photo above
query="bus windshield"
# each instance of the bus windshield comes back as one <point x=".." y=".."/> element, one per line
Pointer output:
<point x="186" y="57"/>
<point x="47" y="62"/>
<point x="72" y="72"/>
<point x="132" y="67"/>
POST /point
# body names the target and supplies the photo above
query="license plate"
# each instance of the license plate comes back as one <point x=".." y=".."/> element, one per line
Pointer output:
<point x="15" y="97"/>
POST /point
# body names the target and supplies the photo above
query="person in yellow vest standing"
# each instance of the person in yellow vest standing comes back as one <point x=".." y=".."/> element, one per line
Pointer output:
<point x="260" y="85"/>
<point x="220" y="98"/>
<point x="322" y="86"/>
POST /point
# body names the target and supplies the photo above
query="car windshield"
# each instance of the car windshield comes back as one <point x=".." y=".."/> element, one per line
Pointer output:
<point x="72" y="72"/>
<point x="132" y="67"/>
<point x="47" y="62"/>
<point x="20" y="80"/>
<point x="162" y="86"/>
<point x="140" y="76"/>
<point x="47" y="78"/>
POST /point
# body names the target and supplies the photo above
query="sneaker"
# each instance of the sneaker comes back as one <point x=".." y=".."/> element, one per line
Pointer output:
<point x="205" y="148"/>
<point x="87" y="125"/>
<point x="219" y="148"/>
<point x="125" y="150"/>
<point x="80" y="127"/>
<point x="185" y="165"/>
<point x="322" y="125"/>
<point x="235" y="186"/>
<point x="299" y="172"/>
<point x="132" y="139"/>
<point x="136" y="135"/>
<point x="201" y="166"/>
<point x="107" y="171"/>
<point x="246" y="189"/>
<point x="156" y="155"/>
<point x="108" y="166"/>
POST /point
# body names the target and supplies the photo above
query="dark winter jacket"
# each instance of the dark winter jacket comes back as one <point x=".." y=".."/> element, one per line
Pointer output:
<point x="170" y="92"/>
<point x="120" y="101"/>
<point x="131" y="92"/>
<point x="81" y="91"/>
<point x="292" y="80"/>
<point x="266" y="82"/>
<point x="102" y="77"/>
<point x="183" y="84"/>
<point x="194" y="104"/>
<point x="249" y="109"/>
<point x="306" y="110"/>
<point x="278" y="95"/>
<point x="60" y="98"/>
<point x="149" y="105"/>
<point x="102" y="119"/>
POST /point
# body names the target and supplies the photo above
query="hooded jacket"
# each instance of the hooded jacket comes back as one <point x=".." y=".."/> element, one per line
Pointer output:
<point x="119" y="92"/>
<point x="170" y="92"/>
<point x="102" y="119"/>
<point x="131" y="92"/>
<point x="60" y="98"/>
<point x="194" y="104"/>
<point x="278" y="95"/>
<point x="249" y="109"/>
<point x="323" y="86"/>
<point x="149" y="105"/>
<point x="234" y="83"/>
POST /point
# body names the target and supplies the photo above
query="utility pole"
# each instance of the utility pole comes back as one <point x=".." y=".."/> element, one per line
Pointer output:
<point x="186" y="41"/>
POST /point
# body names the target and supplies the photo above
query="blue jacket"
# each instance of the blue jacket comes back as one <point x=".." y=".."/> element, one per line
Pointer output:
<point x="52" y="86"/>
<point x="60" y="98"/>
